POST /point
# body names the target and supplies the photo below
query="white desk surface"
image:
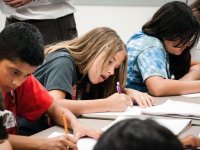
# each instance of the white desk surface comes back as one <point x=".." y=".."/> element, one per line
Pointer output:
<point x="98" y="123"/>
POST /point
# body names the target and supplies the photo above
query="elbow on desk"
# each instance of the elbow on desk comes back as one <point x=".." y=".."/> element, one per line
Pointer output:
<point x="157" y="91"/>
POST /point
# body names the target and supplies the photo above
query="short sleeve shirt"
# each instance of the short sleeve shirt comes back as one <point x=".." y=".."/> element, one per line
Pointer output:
<point x="146" y="57"/>
<point x="31" y="100"/>
<point x="58" y="72"/>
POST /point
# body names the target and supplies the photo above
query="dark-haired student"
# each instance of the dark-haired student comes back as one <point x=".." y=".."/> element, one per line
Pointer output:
<point x="159" y="59"/>
<point x="135" y="134"/>
<point x="21" y="52"/>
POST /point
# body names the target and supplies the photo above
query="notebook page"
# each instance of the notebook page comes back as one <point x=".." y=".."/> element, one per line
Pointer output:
<point x="134" y="110"/>
<point x="176" y="126"/>
<point x="83" y="143"/>
<point x="171" y="107"/>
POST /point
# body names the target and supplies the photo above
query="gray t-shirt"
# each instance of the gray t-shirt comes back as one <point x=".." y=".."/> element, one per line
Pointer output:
<point x="58" y="72"/>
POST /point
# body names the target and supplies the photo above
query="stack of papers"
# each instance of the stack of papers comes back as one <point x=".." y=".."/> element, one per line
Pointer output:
<point x="175" y="108"/>
<point x="176" y="126"/>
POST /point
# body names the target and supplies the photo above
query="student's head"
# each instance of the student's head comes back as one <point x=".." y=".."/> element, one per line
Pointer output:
<point x="100" y="54"/>
<point x="178" y="28"/>
<point x="21" y="51"/>
<point x="135" y="134"/>
<point x="175" y="25"/>
<point x="196" y="8"/>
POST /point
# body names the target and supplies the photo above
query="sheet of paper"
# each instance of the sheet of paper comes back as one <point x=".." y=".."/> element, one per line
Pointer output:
<point x="192" y="95"/>
<point x="83" y="143"/>
<point x="55" y="134"/>
<point x="86" y="144"/>
<point x="134" y="110"/>
<point x="171" y="107"/>
<point x="176" y="126"/>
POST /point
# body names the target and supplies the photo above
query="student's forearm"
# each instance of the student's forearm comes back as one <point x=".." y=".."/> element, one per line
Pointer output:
<point x="193" y="74"/>
<point x="79" y="107"/>
<point x="174" y="87"/>
<point x="24" y="143"/>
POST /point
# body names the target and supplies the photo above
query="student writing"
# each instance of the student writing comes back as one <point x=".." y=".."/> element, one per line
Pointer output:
<point x="21" y="52"/>
<point x="87" y="69"/>
<point x="159" y="59"/>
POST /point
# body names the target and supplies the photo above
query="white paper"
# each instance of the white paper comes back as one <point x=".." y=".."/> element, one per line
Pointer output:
<point x="171" y="107"/>
<point x="176" y="126"/>
<point x="192" y="95"/>
<point x="86" y="143"/>
<point x="82" y="144"/>
<point x="134" y="110"/>
<point x="55" y="134"/>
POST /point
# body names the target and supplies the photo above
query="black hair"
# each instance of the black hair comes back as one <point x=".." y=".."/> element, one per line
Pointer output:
<point x="135" y="134"/>
<point x="175" y="21"/>
<point x="22" y="41"/>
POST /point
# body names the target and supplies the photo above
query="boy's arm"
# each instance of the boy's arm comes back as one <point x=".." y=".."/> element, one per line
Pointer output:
<point x="55" y="111"/>
<point x="32" y="143"/>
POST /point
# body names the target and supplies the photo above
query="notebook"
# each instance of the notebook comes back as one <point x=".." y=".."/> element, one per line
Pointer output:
<point x="134" y="110"/>
<point x="85" y="143"/>
<point x="175" y="108"/>
<point x="176" y="126"/>
<point x="192" y="95"/>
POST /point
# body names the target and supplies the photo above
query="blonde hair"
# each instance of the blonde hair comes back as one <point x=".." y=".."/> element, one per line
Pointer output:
<point x="85" y="49"/>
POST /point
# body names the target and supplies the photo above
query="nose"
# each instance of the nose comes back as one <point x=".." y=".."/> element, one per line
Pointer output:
<point x="111" y="71"/>
<point x="18" y="81"/>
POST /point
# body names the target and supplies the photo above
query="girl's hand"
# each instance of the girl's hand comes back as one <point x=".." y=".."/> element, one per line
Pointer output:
<point x="118" y="102"/>
<point x="142" y="99"/>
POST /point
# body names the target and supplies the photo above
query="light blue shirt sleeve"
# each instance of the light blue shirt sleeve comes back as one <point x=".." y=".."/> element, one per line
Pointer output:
<point x="152" y="62"/>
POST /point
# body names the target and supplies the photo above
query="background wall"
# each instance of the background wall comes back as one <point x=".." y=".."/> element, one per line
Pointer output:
<point x="124" y="16"/>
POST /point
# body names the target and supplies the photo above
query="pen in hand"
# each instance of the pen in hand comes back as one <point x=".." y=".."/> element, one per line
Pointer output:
<point x="118" y="88"/>
<point x="65" y="123"/>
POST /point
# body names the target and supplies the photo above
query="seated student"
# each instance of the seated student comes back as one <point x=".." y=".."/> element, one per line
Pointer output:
<point x="196" y="8"/>
<point x="86" y="68"/>
<point x="159" y="59"/>
<point x="4" y="143"/>
<point x="135" y="134"/>
<point x="191" y="140"/>
<point x="21" y="51"/>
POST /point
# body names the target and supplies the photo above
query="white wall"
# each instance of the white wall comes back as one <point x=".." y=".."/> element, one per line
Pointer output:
<point x="125" y="20"/>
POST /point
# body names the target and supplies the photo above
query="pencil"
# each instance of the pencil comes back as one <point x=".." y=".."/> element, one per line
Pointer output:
<point x="65" y="123"/>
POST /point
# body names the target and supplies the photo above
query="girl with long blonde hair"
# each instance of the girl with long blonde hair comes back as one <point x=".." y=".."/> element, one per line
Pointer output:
<point x="88" y="68"/>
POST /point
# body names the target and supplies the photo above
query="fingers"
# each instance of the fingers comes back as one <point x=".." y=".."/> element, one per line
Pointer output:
<point x="88" y="132"/>
<point x="70" y="142"/>
<point x="144" y="100"/>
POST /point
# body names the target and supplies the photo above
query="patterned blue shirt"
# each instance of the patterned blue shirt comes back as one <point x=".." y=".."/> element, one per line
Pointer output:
<point x="146" y="57"/>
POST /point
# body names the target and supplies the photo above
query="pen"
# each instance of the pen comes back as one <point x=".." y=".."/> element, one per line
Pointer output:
<point x="65" y="123"/>
<point x="118" y="88"/>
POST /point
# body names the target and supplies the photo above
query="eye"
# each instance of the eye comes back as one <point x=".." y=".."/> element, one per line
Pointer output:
<point x="15" y="73"/>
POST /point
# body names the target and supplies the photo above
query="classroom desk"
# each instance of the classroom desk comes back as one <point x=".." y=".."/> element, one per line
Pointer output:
<point x="98" y="123"/>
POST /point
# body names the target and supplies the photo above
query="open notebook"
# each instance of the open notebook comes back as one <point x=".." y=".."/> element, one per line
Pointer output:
<point x="83" y="143"/>
<point x="175" y="108"/>
<point x="176" y="126"/>
<point x="130" y="111"/>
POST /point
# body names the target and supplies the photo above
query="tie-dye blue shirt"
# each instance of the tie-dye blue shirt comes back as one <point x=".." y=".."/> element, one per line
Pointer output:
<point x="146" y="57"/>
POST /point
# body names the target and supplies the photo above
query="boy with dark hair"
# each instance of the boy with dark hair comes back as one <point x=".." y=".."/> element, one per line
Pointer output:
<point x="21" y="52"/>
<point x="135" y="134"/>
